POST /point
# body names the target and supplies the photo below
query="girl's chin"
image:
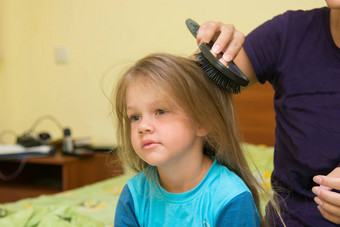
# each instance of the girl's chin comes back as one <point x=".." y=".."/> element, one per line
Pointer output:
<point x="155" y="161"/>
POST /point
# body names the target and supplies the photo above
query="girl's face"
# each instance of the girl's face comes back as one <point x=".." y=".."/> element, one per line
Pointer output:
<point x="160" y="136"/>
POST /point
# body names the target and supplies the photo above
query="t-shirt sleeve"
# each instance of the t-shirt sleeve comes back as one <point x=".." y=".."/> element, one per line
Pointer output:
<point x="240" y="211"/>
<point x="125" y="211"/>
<point x="264" y="47"/>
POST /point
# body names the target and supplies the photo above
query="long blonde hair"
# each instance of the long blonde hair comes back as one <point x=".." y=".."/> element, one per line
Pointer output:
<point x="209" y="106"/>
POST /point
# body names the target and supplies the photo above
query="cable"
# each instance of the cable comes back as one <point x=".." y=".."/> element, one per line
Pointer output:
<point x="47" y="116"/>
<point x="23" y="161"/>
<point x="16" y="172"/>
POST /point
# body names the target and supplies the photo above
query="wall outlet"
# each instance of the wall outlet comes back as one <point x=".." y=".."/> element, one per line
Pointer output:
<point x="61" y="54"/>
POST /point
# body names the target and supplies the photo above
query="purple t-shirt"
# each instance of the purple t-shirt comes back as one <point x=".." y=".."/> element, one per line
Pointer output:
<point x="296" y="53"/>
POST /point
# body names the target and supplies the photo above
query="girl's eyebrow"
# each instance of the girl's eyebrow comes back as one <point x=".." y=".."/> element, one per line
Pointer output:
<point x="130" y="108"/>
<point x="157" y="102"/>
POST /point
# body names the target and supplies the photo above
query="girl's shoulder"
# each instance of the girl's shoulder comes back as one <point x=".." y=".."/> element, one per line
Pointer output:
<point x="143" y="180"/>
<point x="226" y="181"/>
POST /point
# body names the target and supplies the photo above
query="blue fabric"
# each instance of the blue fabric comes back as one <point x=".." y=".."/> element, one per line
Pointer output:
<point x="221" y="199"/>
<point x="125" y="211"/>
<point x="296" y="53"/>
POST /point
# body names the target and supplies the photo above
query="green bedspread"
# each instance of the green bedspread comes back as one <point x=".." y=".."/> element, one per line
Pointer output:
<point x="94" y="205"/>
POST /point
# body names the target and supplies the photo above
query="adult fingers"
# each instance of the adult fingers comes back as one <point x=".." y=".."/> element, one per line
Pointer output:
<point x="327" y="196"/>
<point x="329" y="216"/>
<point x="226" y="39"/>
<point x="327" y="181"/>
<point x="234" y="46"/>
<point x="207" y="32"/>
<point x="335" y="172"/>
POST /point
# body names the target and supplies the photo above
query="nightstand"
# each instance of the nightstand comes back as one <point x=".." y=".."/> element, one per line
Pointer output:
<point x="53" y="174"/>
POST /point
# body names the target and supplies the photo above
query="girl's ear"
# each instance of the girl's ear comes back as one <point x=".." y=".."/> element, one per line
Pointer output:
<point x="201" y="132"/>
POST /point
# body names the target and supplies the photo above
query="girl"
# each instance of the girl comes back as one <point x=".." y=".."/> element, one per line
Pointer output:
<point x="177" y="129"/>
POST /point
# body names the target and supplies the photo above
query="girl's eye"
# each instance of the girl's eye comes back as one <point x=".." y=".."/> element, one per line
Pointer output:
<point x="160" y="111"/>
<point x="134" y="118"/>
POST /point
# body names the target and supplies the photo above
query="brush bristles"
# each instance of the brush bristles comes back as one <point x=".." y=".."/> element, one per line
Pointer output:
<point x="216" y="76"/>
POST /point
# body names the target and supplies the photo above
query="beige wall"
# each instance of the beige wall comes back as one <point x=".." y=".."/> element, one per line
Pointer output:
<point x="99" y="35"/>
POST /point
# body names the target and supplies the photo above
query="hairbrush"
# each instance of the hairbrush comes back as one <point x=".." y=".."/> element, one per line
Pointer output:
<point x="227" y="77"/>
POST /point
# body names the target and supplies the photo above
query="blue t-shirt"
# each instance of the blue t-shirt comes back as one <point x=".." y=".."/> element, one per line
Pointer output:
<point x="296" y="53"/>
<point x="221" y="199"/>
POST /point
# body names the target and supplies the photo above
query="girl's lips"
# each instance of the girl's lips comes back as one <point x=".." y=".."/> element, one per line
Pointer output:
<point x="149" y="144"/>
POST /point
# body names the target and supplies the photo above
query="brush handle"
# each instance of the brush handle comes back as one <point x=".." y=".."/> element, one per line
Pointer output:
<point x="192" y="26"/>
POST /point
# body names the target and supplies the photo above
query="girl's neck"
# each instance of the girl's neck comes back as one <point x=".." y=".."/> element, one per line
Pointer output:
<point x="185" y="177"/>
<point x="335" y="25"/>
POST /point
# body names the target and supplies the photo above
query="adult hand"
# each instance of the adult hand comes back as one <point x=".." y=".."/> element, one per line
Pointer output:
<point x="227" y="39"/>
<point x="328" y="201"/>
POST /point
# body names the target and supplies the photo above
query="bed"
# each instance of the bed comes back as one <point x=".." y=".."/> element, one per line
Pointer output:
<point x="94" y="205"/>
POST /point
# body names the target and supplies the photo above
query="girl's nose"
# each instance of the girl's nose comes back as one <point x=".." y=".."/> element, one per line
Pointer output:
<point x="146" y="126"/>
